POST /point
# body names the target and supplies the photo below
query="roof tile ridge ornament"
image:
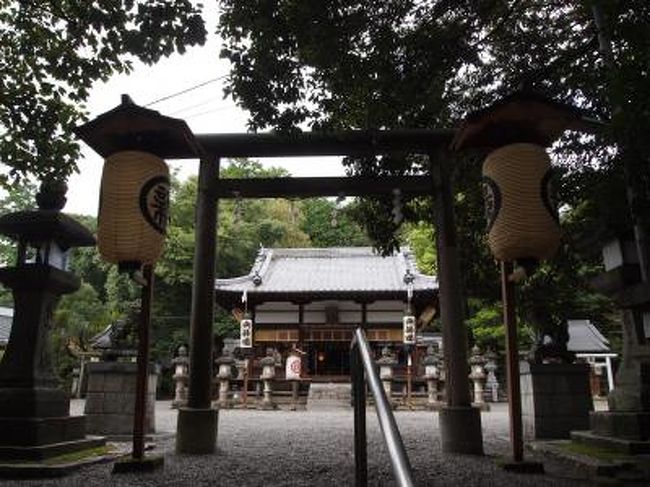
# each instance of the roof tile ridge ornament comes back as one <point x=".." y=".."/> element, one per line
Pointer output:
<point x="261" y="265"/>
<point x="412" y="268"/>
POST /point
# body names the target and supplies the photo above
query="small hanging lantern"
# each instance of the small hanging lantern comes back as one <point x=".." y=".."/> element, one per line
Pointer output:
<point x="245" y="325"/>
<point x="408" y="321"/>
<point x="246" y="333"/>
<point x="133" y="212"/>
<point x="520" y="204"/>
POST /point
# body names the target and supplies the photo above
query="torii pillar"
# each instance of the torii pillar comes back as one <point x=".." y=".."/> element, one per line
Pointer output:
<point x="460" y="423"/>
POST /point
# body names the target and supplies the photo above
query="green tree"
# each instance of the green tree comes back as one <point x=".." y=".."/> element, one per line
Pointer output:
<point x="401" y="63"/>
<point x="330" y="226"/>
<point x="51" y="53"/>
<point x="78" y="317"/>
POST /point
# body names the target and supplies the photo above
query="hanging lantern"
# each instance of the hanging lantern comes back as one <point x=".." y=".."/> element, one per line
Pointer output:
<point x="408" y="330"/>
<point x="133" y="209"/>
<point x="520" y="205"/>
<point x="246" y="333"/>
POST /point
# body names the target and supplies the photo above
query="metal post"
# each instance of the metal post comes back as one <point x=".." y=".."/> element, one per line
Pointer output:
<point x="409" y="378"/>
<point x="197" y="423"/>
<point x="245" y="391"/>
<point x="140" y="412"/>
<point x="360" y="446"/>
<point x="512" y="362"/>
<point x="392" y="439"/>
<point x="460" y="424"/>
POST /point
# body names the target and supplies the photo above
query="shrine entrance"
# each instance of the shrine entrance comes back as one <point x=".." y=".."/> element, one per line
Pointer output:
<point x="328" y="361"/>
<point x="129" y="127"/>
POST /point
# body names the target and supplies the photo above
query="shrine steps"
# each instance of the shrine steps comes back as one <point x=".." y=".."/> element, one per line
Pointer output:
<point x="329" y="395"/>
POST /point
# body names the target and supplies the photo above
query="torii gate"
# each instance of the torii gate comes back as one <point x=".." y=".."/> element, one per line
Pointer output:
<point x="520" y="117"/>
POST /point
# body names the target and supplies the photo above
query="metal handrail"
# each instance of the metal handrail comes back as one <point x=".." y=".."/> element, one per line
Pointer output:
<point x="361" y="361"/>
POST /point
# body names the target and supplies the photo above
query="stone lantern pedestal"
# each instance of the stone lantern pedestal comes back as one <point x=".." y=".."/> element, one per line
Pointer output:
<point x="35" y="423"/>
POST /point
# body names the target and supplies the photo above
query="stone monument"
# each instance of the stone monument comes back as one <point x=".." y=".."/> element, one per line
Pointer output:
<point x="110" y="398"/>
<point x="555" y="393"/>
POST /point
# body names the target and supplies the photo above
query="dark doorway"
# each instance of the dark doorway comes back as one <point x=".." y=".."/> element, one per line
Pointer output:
<point x="329" y="359"/>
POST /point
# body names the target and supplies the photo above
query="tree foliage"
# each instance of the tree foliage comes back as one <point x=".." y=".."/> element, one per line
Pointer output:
<point x="51" y="53"/>
<point x="405" y="63"/>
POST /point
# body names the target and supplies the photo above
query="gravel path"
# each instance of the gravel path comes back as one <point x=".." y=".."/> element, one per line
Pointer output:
<point x="282" y="448"/>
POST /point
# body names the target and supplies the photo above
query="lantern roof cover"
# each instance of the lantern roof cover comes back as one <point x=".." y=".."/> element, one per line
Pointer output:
<point x="132" y="127"/>
<point x="522" y="116"/>
<point x="38" y="226"/>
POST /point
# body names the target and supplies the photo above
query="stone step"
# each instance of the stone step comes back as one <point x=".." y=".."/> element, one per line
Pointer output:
<point x="327" y="396"/>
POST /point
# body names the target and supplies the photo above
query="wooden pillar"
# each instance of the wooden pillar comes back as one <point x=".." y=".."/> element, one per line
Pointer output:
<point x="197" y="423"/>
<point x="460" y="423"/>
<point x="512" y="362"/>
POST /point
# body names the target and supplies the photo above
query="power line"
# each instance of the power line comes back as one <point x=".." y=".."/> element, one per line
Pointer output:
<point x="229" y="107"/>
<point x="186" y="90"/>
<point x="194" y="105"/>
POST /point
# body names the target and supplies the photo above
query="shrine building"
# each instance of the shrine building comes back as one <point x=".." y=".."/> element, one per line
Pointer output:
<point x="312" y="299"/>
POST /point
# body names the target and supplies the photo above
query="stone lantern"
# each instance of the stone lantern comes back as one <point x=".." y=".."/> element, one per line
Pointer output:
<point x="180" y="377"/>
<point x="477" y="376"/>
<point x="432" y="375"/>
<point x="626" y="425"/>
<point x="387" y="363"/>
<point x="225" y="365"/>
<point x="268" y="374"/>
<point x="491" y="382"/>
<point x="34" y="411"/>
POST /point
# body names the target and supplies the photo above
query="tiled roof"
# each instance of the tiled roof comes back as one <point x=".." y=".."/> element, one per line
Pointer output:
<point x="338" y="269"/>
<point x="585" y="337"/>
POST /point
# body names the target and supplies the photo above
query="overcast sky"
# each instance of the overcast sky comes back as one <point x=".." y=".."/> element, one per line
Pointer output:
<point x="204" y="109"/>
